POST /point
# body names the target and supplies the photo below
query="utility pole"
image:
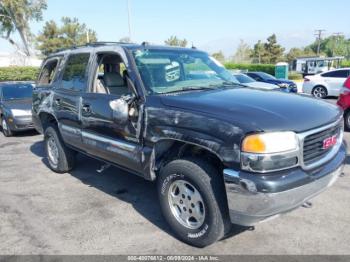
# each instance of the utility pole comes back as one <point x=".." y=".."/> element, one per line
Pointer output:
<point x="129" y="20"/>
<point x="318" y="34"/>
<point x="336" y="35"/>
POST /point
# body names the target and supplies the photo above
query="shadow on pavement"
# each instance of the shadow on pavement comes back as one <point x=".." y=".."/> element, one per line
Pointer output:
<point x="31" y="132"/>
<point x="140" y="193"/>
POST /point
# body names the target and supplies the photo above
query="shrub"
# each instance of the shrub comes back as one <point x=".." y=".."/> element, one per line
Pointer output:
<point x="267" y="68"/>
<point x="18" y="73"/>
<point x="345" y="63"/>
<point x="294" y="76"/>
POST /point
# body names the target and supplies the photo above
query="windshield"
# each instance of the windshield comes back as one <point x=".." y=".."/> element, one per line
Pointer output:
<point x="18" y="91"/>
<point x="165" y="71"/>
<point x="243" y="79"/>
<point x="266" y="76"/>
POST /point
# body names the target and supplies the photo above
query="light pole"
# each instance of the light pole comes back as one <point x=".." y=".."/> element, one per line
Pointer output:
<point x="129" y="20"/>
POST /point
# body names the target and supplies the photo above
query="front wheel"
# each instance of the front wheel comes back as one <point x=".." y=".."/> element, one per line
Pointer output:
<point x="5" y="128"/>
<point x="319" y="92"/>
<point x="193" y="201"/>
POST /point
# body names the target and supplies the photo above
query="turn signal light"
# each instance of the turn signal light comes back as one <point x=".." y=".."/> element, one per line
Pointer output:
<point x="253" y="143"/>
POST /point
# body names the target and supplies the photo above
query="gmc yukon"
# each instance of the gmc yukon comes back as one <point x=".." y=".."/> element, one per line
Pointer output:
<point x="220" y="153"/>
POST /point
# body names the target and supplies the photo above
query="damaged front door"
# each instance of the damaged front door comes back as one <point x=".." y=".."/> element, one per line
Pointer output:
<point x="109" y="115"/>
<point x="109" y="132"/>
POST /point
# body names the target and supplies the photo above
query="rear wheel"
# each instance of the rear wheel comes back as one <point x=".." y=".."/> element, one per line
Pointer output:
<point x="193" y="201"/>
<point x="5" y="128"/>
<point x="319" y="92"/>
<point x="61" y="159"/>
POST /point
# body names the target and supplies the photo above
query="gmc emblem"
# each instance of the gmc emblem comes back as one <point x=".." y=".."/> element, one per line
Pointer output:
<point x="329" y="142"/>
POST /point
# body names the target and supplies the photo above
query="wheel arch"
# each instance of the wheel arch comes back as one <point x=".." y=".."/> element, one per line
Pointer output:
<point x="46" y="119"/>
<point x="168" y="149"/>
<point x="320" y="85"/>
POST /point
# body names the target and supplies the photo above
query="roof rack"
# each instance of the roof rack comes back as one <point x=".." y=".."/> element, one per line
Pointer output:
<point x="92" y="44"/>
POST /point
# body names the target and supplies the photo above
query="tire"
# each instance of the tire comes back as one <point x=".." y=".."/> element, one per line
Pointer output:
<point x="320" y="92"/>
<point x="207" y="215"/>
<point x="347" y="120"/>
<point x="61" y="159"/>
<point x="5" y="128"/>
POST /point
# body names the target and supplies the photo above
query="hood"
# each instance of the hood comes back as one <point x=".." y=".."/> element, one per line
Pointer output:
<point x="262" y="85"/>
<point x="279" y="81"/>
<point x="258" y="110"/>
<point x="22" y="104"/>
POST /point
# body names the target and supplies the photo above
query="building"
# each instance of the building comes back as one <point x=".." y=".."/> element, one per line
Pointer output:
<point x="314" y="64"/>
<point x="18" y="58"/>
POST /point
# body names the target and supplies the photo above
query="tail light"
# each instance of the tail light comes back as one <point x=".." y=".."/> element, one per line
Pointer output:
<point x="306" y="79"/>
<point x="346" y="87"/>
<point x="347" y="83"/>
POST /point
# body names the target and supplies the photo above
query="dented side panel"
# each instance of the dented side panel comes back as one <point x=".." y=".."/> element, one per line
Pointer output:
<point x="219" y="137"/>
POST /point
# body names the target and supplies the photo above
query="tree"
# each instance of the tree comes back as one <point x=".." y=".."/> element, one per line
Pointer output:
<point x="274" y="51"/>
<point x="335" y="45"/>
<point x="243" y="53"/>
<point x="258" y="52"/>
<point x="219" y="56"/>
<point x="71" y="33"/>
<point x="174" y="41"/>
<point x="15" y="16"/>
<point x="298" y="52"/>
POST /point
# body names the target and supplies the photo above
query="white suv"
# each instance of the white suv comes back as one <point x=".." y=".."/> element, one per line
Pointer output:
<point x="326" y="84"/>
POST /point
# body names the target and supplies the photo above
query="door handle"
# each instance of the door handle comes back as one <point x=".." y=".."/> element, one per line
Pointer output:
<point x="86" y="109"/>
<point x="57" y="102"/>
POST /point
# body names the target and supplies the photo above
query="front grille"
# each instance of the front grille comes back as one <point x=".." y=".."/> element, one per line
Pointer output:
<point x="313" y="150"/>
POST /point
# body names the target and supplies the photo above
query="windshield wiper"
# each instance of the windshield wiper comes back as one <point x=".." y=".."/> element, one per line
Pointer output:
<point x="228" y="83"/>
<point x="191" y="88"/>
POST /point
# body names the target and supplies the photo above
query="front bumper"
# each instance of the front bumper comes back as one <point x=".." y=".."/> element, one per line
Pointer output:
<point x="253" y="198"/>
<point x="21" y="123"/>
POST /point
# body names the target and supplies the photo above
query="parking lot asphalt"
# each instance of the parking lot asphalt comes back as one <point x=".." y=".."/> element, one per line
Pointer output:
<point x="84" y="212"/>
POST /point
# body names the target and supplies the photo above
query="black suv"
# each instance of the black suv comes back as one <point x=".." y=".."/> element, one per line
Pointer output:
<point x="221" y="153"/>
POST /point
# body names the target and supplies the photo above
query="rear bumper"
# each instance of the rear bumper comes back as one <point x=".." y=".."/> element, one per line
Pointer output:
<point x="254" y="198"/>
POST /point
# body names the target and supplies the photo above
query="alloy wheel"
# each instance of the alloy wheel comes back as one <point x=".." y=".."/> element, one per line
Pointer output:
<point x="52" y="150"/>
<point x="186" y="204"/>
<point x="319" y="92"/>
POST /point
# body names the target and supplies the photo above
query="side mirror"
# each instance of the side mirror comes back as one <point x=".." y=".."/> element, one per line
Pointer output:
<point x="120" y="109"/>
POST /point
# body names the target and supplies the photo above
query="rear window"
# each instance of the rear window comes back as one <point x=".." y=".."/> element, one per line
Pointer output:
<point x="18" y="91"/>
<point x="48" y="72"/>
<point x="243" y="79"/>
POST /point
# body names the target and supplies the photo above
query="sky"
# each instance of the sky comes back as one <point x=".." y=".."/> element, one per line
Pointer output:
<point x="208" y="24"/>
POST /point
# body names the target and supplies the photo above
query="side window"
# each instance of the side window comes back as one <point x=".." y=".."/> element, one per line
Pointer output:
<point x="48" y="72"/>
<point x="338" y="73"/>
<point x="110" y="76"/>
<point x="74" y="73"/>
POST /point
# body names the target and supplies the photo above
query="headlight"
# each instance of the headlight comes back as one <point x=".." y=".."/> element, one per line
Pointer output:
<point x="270" y="142"/>
<point x="269" y="151"/>
<point x="19" y="112"/>
<point x="283" y="85"/>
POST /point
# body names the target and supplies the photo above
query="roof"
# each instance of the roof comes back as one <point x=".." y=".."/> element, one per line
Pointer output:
<point x="131" y="46"/>
<point x="320" y="58"/>
<point x="16" y="82"/>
